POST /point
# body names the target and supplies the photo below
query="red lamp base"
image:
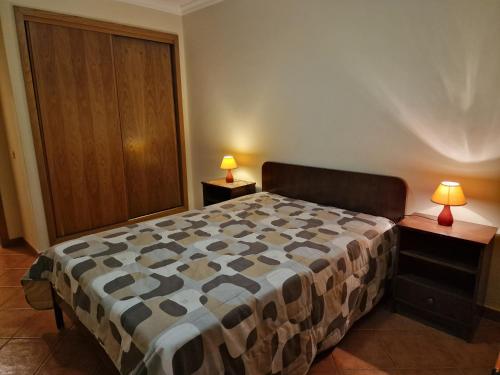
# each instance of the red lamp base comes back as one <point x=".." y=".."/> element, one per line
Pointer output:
<point x="445" y="217"/>
<point x="229" y="177"/>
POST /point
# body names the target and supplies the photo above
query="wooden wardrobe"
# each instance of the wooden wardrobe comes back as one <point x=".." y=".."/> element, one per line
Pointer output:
<point x="106" y="114"/>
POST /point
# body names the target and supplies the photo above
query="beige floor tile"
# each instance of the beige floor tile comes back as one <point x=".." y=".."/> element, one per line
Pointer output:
<point x="382" y="319"/>
<point x="361" y="350"/>
<point x="42" y="325"/>
<point x="6" y="294"/>
<point x="15" y="261"/>
<point x="324" y="365"/>
<point x="13" y="298"/>
<point x="19" y="250"/>
<point x="26" y="263"/>
<point x="12" y="320"/>
<point x="22" y="356"/>
<point x="3" y="342"/>
<point x="488" y="331"/>
<point x="416" y="350"/>
<point x="467" y="354"/>
<point x="445" y="371"/>
<point x="12" y="277"/>
<point x="371" y="372"/>
<point x="75" y="354"/>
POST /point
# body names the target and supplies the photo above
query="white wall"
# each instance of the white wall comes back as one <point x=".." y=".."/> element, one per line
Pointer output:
<point x="8" y="191"/>
<point x="400" y="87"/>
<point x="18" y="123"/>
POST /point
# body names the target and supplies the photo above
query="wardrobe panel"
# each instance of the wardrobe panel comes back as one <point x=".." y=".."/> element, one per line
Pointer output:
<point x="78" y="113"/>
<point x="145" y="86"/>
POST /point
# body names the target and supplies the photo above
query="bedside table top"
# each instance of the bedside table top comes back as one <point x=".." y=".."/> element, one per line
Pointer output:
<point x="460" y="229"/>
<point x="222" y="183"/>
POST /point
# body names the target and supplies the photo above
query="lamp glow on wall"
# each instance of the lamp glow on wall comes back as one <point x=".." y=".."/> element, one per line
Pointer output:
<point x="448" y="193"/>
<point x="228" y="163"/>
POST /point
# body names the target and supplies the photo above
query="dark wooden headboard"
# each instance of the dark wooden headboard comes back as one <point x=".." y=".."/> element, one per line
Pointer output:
<point x="362" y="192"/>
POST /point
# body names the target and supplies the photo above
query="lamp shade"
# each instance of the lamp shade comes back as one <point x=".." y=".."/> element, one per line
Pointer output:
<point x="449" y="193"/>
<point x="228" y="162"/>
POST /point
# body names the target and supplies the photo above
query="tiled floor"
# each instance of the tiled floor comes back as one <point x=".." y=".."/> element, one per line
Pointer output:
<point x="388" y="343"/>
<point x="381" y="343"/>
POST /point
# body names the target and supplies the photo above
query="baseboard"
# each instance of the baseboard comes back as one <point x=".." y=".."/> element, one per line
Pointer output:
<point x="491" y="314"/>
<point x="20" y="242"/>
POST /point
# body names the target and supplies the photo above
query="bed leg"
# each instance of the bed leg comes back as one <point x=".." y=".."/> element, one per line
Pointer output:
<point x="58" y="315"/>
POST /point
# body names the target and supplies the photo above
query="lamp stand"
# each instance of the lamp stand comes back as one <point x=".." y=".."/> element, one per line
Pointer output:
<point x="445" y="217"/>
<point x="229" y="177"/>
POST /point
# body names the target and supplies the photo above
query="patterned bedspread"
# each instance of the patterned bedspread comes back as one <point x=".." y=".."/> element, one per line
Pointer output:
<point x="256" y="285"/>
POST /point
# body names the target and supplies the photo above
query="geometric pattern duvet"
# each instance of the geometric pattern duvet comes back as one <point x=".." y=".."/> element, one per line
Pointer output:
<point x="255" y="285"/>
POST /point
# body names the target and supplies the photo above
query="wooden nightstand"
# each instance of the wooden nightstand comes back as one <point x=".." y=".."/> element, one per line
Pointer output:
<point x="442" y="272"/>
<point x="216" y="191"/>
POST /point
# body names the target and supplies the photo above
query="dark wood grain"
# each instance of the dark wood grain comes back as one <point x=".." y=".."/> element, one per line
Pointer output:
<point x="360" y="192"/>
<point x="216" y="191"/>
<point x="144" y="83"/>
<point x="75" y="89"/>
<point x="442" y="272"/>
<point x="221" y="182"/>
<point x="23" y="17"/>
<point x="460" y="229"/>
<point x="43" y="16"/>
<point x="441" y="261"/>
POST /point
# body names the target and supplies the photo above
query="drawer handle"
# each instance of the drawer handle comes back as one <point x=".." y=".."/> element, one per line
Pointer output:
<point x="430" y="301"/>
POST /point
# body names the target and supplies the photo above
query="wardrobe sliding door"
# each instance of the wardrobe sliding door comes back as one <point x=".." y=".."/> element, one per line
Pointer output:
<point x="78" y="115"/>
<point x="106" y="118"/>
<point x="144" y="81"/>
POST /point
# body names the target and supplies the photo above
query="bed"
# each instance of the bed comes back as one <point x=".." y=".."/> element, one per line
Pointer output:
<point x="255" y="285"/>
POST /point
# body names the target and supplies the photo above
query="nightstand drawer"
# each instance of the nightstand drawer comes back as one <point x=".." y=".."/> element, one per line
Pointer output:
<point x="413" y="291"/>
<point x="216" y="194"/>
<point x="242" y="190"/>
<point x="217" y="191"/>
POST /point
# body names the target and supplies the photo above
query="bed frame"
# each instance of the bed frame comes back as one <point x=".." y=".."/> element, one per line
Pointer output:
<point x="361" y="192"/>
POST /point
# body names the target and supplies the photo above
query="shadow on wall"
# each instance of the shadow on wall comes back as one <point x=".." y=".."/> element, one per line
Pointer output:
<point x="431" y="72"/>
<point x="454" y="108"/>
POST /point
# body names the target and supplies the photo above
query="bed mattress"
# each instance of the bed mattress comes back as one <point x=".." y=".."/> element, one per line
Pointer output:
<point x="255" y="285"/>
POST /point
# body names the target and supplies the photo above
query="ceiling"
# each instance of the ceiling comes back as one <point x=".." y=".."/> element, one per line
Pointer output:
<point x="179" y="7"/>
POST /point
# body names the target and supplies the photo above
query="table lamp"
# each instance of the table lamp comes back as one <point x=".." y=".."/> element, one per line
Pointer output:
<point x="448" y="193"/>
<point x="228" y="163"/>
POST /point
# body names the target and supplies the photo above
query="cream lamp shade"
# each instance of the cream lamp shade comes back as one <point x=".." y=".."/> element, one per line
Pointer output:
<point x="449" y="193"/>
<point x="228" y="162"/>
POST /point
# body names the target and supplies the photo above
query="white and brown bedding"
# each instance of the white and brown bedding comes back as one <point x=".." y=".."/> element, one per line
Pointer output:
<point x="256" y="285"/>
